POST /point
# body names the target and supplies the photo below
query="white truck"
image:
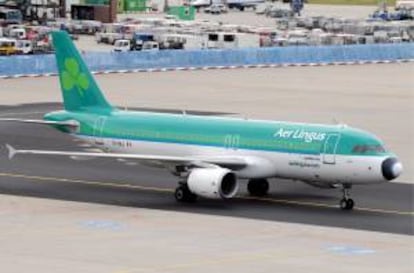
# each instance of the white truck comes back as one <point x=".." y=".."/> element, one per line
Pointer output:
<point x="110" y="33"/>
<point x="124" y="45"/>
<point x="238" y="4"/>
<point x="223" y="40"/>
<point x="404" y="4"/>
<point x="17" y="33"/>
<point x="182" y="41"/>
<point x="24" y="46"/>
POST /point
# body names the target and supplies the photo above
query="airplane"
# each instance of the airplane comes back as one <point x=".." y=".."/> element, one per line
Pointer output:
<point x="209" y="155"/>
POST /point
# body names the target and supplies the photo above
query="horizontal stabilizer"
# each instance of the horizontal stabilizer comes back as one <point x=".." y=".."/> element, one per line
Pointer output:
<point x="11" y="150"/>
<point x="69" y="123"/>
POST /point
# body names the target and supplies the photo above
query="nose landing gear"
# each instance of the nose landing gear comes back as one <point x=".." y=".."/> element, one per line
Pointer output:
<point x="346" y="202"/>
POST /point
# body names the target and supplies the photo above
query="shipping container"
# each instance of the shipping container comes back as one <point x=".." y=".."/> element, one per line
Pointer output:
<point x="182" y="12"/>
<point x="135" y="5"/>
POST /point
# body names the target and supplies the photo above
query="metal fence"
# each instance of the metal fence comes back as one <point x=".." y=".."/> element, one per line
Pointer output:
<point x="103" y="61"/>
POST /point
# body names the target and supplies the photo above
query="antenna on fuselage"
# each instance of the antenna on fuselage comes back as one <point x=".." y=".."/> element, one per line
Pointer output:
<point x="339" y="123"/>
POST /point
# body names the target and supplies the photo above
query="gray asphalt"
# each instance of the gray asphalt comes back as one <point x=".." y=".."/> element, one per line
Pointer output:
<point x="385" y="207"/>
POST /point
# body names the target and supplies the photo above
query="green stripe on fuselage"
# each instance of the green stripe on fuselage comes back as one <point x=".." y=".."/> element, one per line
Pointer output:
<point x="219" y="132"/>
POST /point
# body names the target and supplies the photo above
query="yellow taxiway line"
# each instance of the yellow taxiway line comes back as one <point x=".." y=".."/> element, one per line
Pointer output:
<point x="35" y="178"/>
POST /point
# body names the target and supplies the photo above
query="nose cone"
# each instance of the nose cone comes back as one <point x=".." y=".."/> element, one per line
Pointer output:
<point x="391" y="168"/>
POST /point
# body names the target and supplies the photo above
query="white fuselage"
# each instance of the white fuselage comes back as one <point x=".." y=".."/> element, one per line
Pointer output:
<point x="327" y="169"/>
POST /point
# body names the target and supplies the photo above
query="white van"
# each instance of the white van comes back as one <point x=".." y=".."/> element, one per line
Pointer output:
<point x="17" y="33"/>
<point x="150" y="46"/>
<point x="122" y="45"/>
<point x="24" y="46"/>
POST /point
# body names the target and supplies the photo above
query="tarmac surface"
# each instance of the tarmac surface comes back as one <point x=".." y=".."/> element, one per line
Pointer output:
<point x="40" y="235"/>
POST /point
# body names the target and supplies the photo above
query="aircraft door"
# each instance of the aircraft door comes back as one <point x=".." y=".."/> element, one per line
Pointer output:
<point x="98" y="130"/>
<point x="329" y="149"/>
<point x="232" y="142"/>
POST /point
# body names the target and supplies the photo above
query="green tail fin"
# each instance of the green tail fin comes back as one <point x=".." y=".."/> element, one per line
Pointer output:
<point x="79" y="89"/>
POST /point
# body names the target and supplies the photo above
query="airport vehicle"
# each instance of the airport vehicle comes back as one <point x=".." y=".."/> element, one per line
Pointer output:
<point x="139" y="38"/>
<point x="24" y="46"/>
<point x="224" y="40"/>
<point x="110" y="33"/>
<point x="210" y="154"/>
<point x="172" y="41"/>
<point x="8" y="46"/>
<point x="400" y="4"/>
<point x="237" y="4"/>
<point x="216" y="9"/>
<point x="10" y="16"/>
<point x="181" y="41"/>
<point x="297" y="37"/>
<point x="17" y="33"/>
<point x="122" y="45"/>
<point x="150" y="46"/>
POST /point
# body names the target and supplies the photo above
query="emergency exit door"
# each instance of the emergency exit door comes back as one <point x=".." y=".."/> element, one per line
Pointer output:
<point x="329" y="149"/>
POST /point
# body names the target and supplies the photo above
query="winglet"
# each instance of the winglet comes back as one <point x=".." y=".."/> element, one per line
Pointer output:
<point x="12" y="151"/>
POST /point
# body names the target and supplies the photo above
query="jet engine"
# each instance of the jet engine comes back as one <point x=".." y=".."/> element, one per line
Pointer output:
<point x="213" y="183"/>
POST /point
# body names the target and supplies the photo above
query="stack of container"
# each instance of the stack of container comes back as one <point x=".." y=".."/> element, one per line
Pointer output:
<point x="134" y="5"/>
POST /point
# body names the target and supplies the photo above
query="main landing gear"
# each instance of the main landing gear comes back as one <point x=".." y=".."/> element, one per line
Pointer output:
<point x="183" y="194"/>
<point x="258" y="187"/>
<point x="346" y="202"/>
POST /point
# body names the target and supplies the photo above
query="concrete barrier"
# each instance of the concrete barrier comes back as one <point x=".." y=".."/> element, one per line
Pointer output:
<point x="105" y="62"/>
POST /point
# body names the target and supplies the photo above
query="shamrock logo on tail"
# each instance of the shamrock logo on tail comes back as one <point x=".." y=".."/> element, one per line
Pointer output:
<point x="71" y="77"/>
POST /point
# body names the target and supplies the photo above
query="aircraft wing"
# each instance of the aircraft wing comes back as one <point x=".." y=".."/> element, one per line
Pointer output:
<point x="68" y="123"/>
<point x="234" y="163"/>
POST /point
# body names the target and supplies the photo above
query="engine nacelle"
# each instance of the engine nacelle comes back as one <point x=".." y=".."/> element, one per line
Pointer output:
<point x="213" y="183"/>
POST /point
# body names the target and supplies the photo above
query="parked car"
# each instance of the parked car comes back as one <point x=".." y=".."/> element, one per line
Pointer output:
<point x="150" y="46"/>
<point x="24" y="46"/>
<point x="279" y="12"/>
<point x="8" y="46"/>
<point x="216" y="9"/>
<point x="122" y="45"/>
<point x="263" y="8"/>
<point x="17" y="33"/>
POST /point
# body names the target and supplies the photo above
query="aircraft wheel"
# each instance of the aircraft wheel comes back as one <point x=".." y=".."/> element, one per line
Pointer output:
<point x="347" y="204"/>
<point x="183" y="194"/>
<point x="258" y="187"/>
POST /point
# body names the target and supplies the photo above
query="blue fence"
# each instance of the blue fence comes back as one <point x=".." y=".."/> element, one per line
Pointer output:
<point x="103" y="61"/>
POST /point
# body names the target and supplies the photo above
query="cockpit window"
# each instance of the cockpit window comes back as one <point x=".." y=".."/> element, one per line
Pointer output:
<point x="362" y="149"/>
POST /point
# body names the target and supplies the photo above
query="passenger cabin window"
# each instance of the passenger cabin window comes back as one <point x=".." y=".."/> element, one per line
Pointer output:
<point x="362" y="149"/>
